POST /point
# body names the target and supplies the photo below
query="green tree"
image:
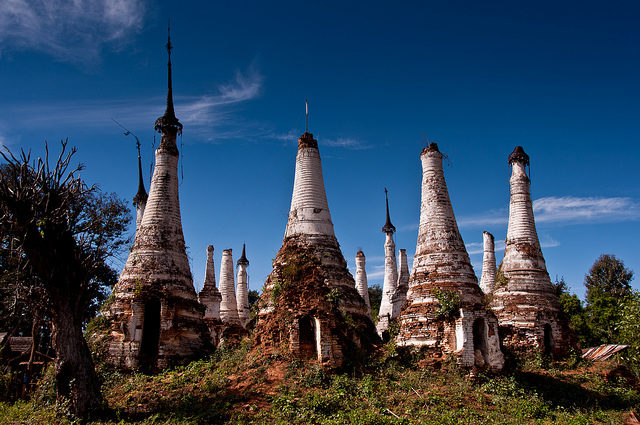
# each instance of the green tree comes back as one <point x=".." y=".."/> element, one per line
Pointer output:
<point x="60" y="234"/>
<point x="629" y="330"/>
<point x="375" y="299"/>
<point x="573" y="308"/>
<point x="607" y="283"/>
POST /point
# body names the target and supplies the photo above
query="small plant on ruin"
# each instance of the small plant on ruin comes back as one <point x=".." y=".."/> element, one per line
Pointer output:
<point x="448" y="303"/>
<point x="334" y="296"/>
<point x="501" y="279"/>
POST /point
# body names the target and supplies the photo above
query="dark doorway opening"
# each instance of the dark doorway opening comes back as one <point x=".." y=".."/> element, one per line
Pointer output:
<point x="307" y="331"/>
<point x="548" y="340"/>
<point x="480" y="342"/>
<point x="150" y="336"/>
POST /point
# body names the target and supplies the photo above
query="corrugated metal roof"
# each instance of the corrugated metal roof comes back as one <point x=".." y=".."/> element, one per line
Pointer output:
<point x="20" y="344"/>
<point x="602" y="352"/>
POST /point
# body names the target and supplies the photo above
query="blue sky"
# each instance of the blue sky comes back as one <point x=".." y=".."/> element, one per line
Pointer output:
<point x="478" y="78"/>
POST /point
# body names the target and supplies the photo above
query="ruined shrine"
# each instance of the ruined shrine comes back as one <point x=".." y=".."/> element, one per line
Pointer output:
<point x="156" y="320"/>
<point x="444" y="309"/>
<point x="310" y="306"/>
<point x="527" y="308"/>
<point x="210" y="297"/>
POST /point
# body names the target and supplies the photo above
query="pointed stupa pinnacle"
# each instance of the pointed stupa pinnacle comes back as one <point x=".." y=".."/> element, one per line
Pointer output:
<point x="519" y="155"/>
<point x="388" y="227"/>
<point x="243" y="258"/>
<point x="169" y="120"/>
<point x="141" y="196"/>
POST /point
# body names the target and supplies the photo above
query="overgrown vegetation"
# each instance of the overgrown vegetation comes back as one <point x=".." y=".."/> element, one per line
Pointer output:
<point x="448" y="303"/>
<point x="240" y="386"/>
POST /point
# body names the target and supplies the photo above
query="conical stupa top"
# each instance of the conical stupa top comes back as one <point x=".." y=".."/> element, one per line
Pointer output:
<point x="243" y="258"/>
<point x="519" y="155"/>
<point x="169" y="120"/>
<point x="388" y="227"/>
<point x="309" y="213"/>
<point x="141" y="196"/>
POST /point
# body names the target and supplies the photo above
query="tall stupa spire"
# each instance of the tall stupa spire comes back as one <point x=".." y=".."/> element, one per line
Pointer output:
<point x="310" y="290"/>
<point x="388" y="227"/>
<point x="390" y="281"/>
<point x="160" y="320"/>
<point x="528" y="310"/>
<point x="442" y="270"/>
<point x="242" y="290"/>
<point x="169" y="120"/>
<point x="140" y="200"/>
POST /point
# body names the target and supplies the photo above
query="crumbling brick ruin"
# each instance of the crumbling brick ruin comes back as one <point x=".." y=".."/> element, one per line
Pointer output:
<point x="310" y="306"/>
<point x="488" y="278"/>
<point x="155" y="317"/>
<point x="528" y="311"/>
<point x="210" y="298"/>
<point x="444" y="310"/>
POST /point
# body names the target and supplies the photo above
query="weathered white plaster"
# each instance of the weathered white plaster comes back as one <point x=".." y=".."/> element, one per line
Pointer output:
<point x="242" y="291"/>
<point x="400" y="295"/>
<point x="361" y="279"/>
<point x="309" y="213"/>
<point x="209" y="296"/>
<point x="228" y="305"/>
<point x="488" y="279"/>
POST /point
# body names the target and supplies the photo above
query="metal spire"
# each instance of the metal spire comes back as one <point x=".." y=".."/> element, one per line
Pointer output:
<point x="306" y="115"/>
<point x="243" y="258"/>
<point x="388" y="227"/>
<point x="169" y="120"/>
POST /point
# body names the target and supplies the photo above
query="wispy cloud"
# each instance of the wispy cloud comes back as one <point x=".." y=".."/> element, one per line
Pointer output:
<point x="70" y="30"/>
<point x="210" y="116"/>
<point x="488" y="218"/>
<point x="346" y="143"/>
<point x="569" y="209"/>
<point x="564" y="210"/>
<point x="338" y="142"/>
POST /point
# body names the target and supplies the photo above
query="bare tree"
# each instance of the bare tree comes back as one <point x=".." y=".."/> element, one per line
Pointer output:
<point x="61" y="232"/>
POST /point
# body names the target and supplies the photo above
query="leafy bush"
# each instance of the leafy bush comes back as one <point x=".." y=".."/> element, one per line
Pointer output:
<point x="448" y="303"/>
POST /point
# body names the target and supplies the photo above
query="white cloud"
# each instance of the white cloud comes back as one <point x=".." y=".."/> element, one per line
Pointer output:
<point x="209" y="116"/>
<point x="70" y="30"/>
<point x="569" y="209"/>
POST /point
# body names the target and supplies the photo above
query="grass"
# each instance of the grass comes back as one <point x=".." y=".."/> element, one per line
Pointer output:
<point x="242" y="387"/>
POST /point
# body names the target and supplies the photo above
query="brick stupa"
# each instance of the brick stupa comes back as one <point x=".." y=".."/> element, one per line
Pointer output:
<point x="156" y="320"/>
<point x="527" y="308"/>
<point x="441" y="270"/>
<point x="310" y="306"/>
